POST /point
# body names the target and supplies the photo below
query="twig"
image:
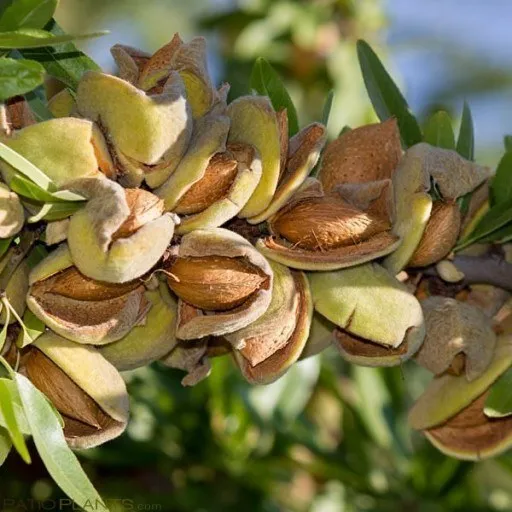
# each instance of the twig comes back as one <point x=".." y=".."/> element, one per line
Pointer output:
<point x="489" y="269"/>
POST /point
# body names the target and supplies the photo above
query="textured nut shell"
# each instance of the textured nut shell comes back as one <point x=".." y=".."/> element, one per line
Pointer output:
<point x="208" y="138"/>
<point x="454" y="327"/>
<point x="61" y="148"/>
<point x="12" y="216"/>
<point x="150" y="341"/>
<point x="368" y="302"/>
<point x="214" y="283"/>
<point x="276" y="365"/>
<point x="96" y="377"/>
<point x="447" y="395"/>
<point x="439" y="236"/>
<point x="359" y="351"/>
<point x="471" y="435"/>
<point x="254" y="122"/>
<point x="163" y="120"/>
<point x="91" y="235"/>
<point x="325" y="223"/>
<point x="303" y="154"/>
<point x="368" y="153"/>
<point x="87" y="312"/>
<point x="192" y="323"/>
<point x="248" y="175"/>
<point x="214" y="184"/>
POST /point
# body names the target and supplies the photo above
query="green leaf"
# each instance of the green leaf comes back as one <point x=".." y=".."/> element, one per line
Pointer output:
<point x="63" y="61"/>
<point x="501" y="185"/>
<point x="59" y="211"/>
<point x="5" y="445"/>
<point x="466" y="140"/>
<point x="38" y="106"/>
<point x="374" y="400"/>
<point x="32" y="328"/>
<point x="19" y="77"/>
<point x="59" y="460"/>
<point x="439" y="131"/>
<point x="500" y="236"/>
<point x="35" y="38"/>
<point x="27" y="188"/>
<point x="3" y="332"/>
<point x="327" y="108"/>
<point x="507" y="142"/>
<point x="21" y="418"/>
<point x="55" y="211"/>
<point x="27" y="14"/>
<point x="499" y="400"/>
<point x="266" y="81"/>
<point x="385" y="96"/>
<point x="4" y="245"/>
<point x="7" y="394"/>
<point x="497" y="217"/>
<point x="36" y="255"/>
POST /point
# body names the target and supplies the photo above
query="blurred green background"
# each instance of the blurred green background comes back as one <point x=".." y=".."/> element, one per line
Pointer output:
<point x="327" y="437"/>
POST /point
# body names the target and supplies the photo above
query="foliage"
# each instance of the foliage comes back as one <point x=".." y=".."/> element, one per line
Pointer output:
<point x="324" y="434"/>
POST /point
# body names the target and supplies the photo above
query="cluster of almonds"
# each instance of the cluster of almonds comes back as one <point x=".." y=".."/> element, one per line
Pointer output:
<point x="203" y="235"/>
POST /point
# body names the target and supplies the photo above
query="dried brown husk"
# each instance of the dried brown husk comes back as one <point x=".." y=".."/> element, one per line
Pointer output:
<point x="368" y="153"/>
<point x="269" y="348"/>
<point x="218" y="243"/>
<point x="454" y="328"/>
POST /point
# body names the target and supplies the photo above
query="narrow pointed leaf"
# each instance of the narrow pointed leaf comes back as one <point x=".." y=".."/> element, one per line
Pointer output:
<point x="439" y="131"/>
<point x="59" y="460"/>
<point x="34" y="38"/>
<point x="63" y="61"/>
<point x="501" y="186"/>
<point x="266" y="81"/>
<point x="5" y="445"/>
<point x="507" y="142"/>
<point x="326" y="113"/>
<point x="19" y="76"/>
<point x="4" y="245"/>
<point x="27" y="14"/>
<point x="7" y="392"/>
<point x="385" y="96"/>
<point x="32" y="329"/>
<point x="496" y="218"/>
<point x="466" y="140"/>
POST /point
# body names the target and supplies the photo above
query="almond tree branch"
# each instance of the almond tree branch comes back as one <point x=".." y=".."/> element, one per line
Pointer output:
<point x="489" y="269"/>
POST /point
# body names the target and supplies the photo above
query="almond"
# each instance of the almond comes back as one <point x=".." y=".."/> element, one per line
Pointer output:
<point x="324" y="223"/>
<point x="214" y="185"/>
<point x="214" y="283"/>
